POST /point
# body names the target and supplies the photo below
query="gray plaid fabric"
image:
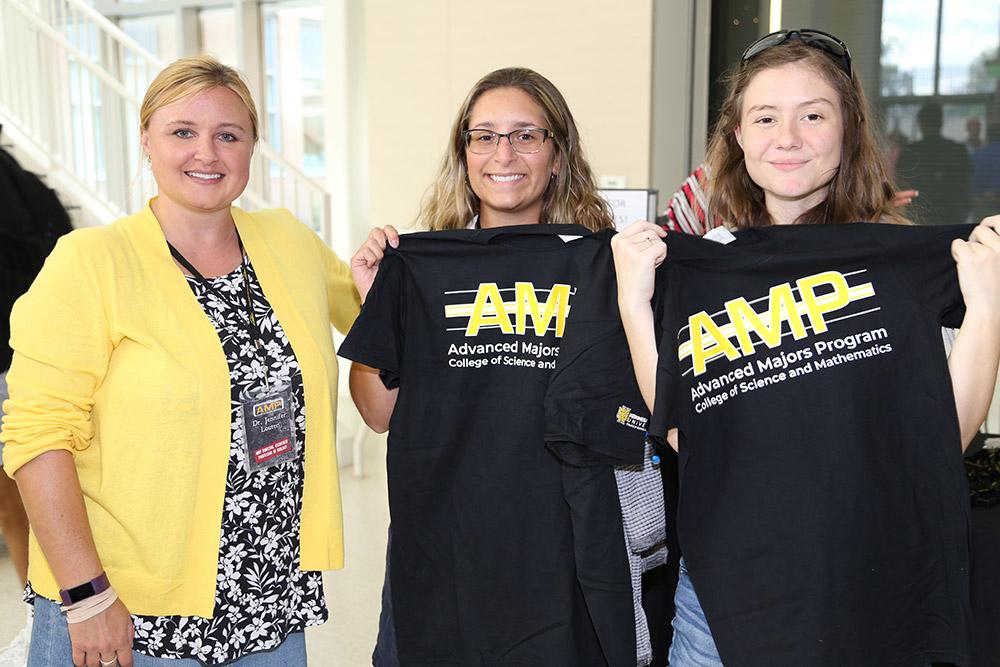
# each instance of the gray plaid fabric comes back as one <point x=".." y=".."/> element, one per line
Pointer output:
<point x="640" y="491"/>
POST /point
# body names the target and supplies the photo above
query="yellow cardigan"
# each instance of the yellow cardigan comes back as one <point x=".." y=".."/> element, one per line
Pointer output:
<point x="115" y="362"/>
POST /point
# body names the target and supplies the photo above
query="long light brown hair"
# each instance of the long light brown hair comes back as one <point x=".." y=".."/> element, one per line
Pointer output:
<point x="571" y="197"/>
<point x="861" y="190"/>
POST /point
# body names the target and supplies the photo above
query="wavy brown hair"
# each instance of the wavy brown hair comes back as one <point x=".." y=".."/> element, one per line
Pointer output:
<point x="861" y="189"/>
<point x="571" y="197"/>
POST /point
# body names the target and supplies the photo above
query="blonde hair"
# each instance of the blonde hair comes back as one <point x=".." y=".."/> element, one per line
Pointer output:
<point x="190" y="76"/>
<point x="860" y="190"/>
<point x="571" y="196"/>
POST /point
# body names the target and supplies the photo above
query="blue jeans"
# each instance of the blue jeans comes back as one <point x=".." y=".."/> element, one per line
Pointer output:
<point x="693" y="645"/>
<point x="50" y="646"/>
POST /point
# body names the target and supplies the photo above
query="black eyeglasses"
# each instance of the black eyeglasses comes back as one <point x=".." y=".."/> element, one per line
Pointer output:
<point x="524" y="140"/>
<point x="817" y="39"/>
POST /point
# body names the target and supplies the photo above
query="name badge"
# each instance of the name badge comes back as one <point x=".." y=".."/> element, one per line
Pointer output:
<point x="268" y="427"/>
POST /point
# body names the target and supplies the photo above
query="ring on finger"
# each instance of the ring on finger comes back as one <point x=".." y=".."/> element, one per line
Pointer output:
<point x="108" y="663"/>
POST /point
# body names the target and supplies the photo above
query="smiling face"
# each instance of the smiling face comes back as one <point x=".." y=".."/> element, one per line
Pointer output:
<point x="200" y="148"/>
<point x="510" y="185"/>
<point x="791" y="132"/>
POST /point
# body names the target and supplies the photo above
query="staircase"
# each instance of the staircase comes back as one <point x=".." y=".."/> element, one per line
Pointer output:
<point x="70" y="88"/>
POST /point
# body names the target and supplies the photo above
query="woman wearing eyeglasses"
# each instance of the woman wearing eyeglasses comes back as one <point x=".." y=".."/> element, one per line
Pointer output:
<point x="513" y="157"/>
<point x="794" y="145"/>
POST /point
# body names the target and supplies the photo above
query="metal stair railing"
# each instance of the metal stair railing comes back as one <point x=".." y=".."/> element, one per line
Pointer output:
<point x="71" y="82"/>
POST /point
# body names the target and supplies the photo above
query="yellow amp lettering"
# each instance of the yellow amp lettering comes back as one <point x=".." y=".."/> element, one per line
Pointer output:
<point x="488" y="310"/>
<point x="781" y="307"/>
<point x="816" y="306"/>
<point x="731" y="336"/>
<point x="527" y="305"/>
<point x="702" y="324"/>
<point x="262" y="408"/>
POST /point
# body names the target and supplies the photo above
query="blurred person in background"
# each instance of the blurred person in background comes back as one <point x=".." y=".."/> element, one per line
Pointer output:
<point x="939" y="169"/>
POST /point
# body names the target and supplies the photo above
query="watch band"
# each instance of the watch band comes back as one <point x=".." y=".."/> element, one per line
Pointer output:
<point x="78" y="593"/>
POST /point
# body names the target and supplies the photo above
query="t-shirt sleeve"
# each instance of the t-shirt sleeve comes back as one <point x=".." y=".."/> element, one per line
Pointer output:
<point x="594" y="413"/>
<point x="376" y="338"/>
<point x="666" y="403"/>
<point x="923" y="261"/>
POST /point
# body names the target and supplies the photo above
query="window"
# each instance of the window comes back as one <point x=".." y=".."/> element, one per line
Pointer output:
<point x="157" y="34"/>
<point x="217" y="34"/>
<point x="294" y="84"/>
<point x="941" y="59"/>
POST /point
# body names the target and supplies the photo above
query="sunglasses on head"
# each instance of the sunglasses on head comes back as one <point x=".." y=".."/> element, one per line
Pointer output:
<point x="817" y="39"/>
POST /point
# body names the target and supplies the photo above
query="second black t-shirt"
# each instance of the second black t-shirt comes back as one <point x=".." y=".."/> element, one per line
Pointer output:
<point x="823" y="511"/>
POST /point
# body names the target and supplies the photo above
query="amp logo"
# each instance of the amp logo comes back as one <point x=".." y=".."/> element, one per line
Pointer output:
<point x="819" y="297"/>
<point x="517" y="310"/>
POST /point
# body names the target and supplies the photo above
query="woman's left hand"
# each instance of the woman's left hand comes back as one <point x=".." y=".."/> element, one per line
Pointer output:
<point x="978" y="261"/>
<point x="638" y="250"/>
<point x="364" y="263"/>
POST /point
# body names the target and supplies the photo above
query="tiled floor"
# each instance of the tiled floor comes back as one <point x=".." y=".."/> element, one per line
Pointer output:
<point x="352" y="593"/>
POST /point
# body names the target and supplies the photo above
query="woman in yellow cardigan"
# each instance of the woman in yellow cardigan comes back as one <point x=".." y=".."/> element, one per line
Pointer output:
<point x="172" y="409"/>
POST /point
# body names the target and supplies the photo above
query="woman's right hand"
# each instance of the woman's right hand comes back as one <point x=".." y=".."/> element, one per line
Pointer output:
<point x="104" y="637"/>
<point x="638" y="250"/>
<point x="364" y="263"/>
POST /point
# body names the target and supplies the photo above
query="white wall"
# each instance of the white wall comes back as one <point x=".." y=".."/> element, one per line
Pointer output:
<point x="679" y="89"/>
<point x="423" y="57"/>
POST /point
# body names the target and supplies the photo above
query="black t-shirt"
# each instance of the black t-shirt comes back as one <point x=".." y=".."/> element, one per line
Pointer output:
<point x="516" y="397"/>
<point x="823" y="511"/>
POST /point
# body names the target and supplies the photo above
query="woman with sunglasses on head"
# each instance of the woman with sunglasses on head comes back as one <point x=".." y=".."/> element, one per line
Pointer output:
<point x="794" y="145"/>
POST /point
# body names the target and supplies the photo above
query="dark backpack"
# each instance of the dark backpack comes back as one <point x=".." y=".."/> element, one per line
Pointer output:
<point x="31" y="221"/>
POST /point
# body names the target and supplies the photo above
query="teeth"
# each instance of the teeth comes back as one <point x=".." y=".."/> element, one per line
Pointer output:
<point x="203" y="176"/>
<point x="506" y="179"/>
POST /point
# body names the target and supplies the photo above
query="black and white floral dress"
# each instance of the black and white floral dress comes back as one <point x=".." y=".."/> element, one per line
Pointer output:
<point x="261" y="595"/>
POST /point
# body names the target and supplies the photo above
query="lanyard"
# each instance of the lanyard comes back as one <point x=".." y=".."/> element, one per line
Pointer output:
<point x="251" y="318"/>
